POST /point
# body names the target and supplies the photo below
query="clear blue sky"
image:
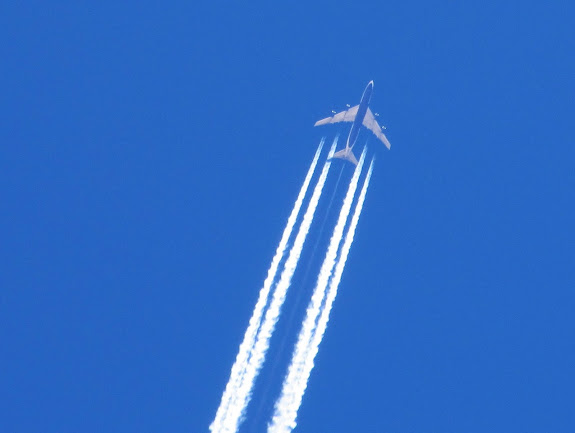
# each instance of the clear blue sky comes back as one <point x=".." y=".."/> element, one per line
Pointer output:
<point x="150" y="154"/>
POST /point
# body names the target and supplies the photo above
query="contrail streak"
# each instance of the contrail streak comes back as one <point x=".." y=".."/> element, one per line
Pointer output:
<point x="242" y="396"/>
<point x="238" y="369"/>
<point x="333" y="286"/>
<point x="295" y="382"/>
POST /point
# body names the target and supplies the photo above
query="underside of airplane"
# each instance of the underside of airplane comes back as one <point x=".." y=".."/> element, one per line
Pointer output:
<point x="349" y="116"/>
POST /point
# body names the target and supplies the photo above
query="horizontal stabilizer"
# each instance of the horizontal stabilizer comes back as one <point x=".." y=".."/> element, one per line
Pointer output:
<point x="346" y="154"/>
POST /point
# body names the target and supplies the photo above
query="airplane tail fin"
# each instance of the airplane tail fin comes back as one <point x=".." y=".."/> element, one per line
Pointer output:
<point x="346" y="154"/>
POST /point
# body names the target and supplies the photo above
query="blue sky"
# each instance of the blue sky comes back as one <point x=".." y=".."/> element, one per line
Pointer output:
<point x="150" y="155"/>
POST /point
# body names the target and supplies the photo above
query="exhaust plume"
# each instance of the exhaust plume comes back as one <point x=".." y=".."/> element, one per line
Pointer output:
<point x="242" y="395"/>
<point x="295" y="382"/>
<point x="238" y="369"/>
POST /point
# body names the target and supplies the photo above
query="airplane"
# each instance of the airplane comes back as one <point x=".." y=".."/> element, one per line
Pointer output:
<point x="359" y="115"/>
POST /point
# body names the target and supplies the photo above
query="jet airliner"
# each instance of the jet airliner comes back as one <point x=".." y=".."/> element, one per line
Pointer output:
<point x="359" y="115"/>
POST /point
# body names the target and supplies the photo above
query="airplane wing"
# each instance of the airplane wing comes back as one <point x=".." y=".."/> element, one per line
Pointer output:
<point x="344" y="116"/>
<point x="370" y="123"/>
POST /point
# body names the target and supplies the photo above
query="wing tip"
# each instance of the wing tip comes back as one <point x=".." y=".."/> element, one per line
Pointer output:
<point x="322" y="121"/>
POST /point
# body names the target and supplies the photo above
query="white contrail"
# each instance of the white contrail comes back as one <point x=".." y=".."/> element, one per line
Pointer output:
<point x="242" y="394"/>
<point x="333" y="286"/>
<point x="238" y="369"/>
<point x="295" y="382"/>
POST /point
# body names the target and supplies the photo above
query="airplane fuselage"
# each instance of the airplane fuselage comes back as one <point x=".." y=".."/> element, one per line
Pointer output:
<point x="361" y="110"/>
